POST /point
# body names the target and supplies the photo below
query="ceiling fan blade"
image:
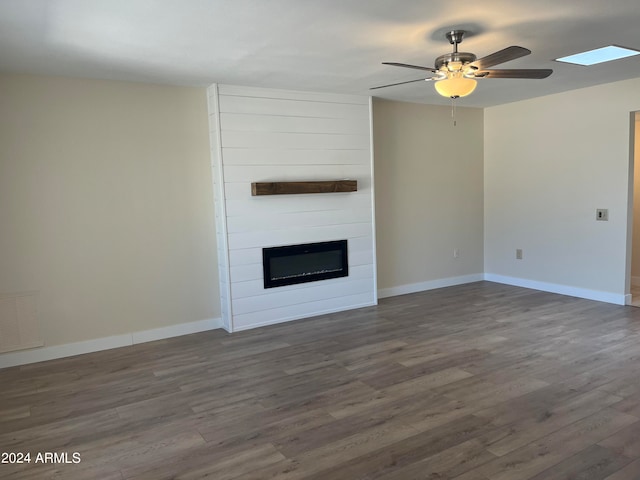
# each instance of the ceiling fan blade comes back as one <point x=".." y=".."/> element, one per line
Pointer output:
<point x="406" y="65"/>
<point x="501" y="56"/>
<point x="401" y="83"/>
<point x="515" y="73"/>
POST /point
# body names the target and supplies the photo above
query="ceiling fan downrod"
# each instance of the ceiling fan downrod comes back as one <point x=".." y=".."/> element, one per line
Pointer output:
<point x="457" y="58"/>
<point x="455" y="37"/>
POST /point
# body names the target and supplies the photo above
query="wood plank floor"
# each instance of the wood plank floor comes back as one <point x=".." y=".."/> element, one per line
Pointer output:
<point x="475" y="382"/>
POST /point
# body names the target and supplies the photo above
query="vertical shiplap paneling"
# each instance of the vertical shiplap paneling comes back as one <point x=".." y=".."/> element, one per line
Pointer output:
<point x="271" y="135"/>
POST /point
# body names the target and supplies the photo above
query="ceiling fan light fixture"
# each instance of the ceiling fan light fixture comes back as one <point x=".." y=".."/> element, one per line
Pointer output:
<point x="455" y="87"/>
<point x="454" y="66"/>
<point x="455" y="73"/>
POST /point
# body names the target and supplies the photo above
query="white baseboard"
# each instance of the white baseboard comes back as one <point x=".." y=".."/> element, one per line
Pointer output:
<point x="628" y="299"/>
<point x="25" y="357"/>
<point x="429" y="285"/>
<point x="608" y="297"/>
<point x="176" y="330"/>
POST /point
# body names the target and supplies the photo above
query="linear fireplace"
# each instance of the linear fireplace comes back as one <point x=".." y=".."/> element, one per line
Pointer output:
<point x="308" y="262"/>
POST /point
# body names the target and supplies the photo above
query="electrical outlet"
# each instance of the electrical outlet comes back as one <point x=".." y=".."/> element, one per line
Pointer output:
<point x="518" y="254"/>
<point x="602" y="214"/>
<point x="456" y="253"/>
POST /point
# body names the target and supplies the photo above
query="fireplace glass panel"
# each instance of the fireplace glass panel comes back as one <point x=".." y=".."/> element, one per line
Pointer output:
<point x="309" y="262"/>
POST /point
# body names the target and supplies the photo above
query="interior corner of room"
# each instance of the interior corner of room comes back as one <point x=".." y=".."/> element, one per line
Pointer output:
<point x="109" y="205"/>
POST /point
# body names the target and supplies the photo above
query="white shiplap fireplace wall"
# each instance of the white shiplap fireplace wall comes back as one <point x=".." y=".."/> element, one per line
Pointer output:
<point x="262" y="135"/>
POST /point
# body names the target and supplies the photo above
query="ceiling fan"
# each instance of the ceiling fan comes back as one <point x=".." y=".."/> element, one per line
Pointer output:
<point x="455" y="72"/>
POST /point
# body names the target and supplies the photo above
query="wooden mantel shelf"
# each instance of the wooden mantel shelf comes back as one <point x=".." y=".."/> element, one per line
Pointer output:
<point x="288" y="188"/>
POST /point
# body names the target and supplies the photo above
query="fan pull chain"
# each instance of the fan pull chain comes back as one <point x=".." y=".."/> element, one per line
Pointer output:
<point x="453" y="111"/>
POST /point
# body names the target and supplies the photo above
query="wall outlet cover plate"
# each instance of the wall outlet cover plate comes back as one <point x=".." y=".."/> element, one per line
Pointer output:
<point x="602" y="214"/>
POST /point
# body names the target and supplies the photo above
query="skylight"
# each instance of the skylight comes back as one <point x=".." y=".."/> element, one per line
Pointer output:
<point x="599" y="55"/>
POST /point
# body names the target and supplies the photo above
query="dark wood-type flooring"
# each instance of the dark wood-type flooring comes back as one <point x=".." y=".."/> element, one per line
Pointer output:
<point x="474" y="382"/>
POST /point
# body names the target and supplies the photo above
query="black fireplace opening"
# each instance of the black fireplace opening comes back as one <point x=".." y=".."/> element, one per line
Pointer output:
<point x="308" y="262"/>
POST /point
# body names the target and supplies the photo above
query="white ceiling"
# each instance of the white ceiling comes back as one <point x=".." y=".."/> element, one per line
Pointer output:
<point x="316" y="45"/>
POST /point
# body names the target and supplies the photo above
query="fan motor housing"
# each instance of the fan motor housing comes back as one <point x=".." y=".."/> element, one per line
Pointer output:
<point x="462" y="57"/>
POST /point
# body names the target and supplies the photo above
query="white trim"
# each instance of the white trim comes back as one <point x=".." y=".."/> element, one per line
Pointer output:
<point x="176" y="330"/>
<point x="97" y="344"/>
<point x="373" y="204"/>
<point x="608" y="297"/>
<point x="628" y="298"/>
<point x="219" y="184"/>
<point x="429" y="285"/>
<point x="24" y="357"/>
<point x="310" y="315"/>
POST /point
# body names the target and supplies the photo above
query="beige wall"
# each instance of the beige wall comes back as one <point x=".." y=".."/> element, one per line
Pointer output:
<point x="106" y="205"/>
<point x="429" y="198"/>
<point x="550" y="162"/>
